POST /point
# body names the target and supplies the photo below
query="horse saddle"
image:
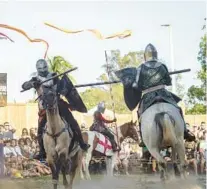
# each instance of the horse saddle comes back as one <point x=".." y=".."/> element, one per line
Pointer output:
<point x="157" y="99"/>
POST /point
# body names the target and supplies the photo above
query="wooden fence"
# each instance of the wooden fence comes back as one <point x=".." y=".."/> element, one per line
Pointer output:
<point x="22" y="115"/>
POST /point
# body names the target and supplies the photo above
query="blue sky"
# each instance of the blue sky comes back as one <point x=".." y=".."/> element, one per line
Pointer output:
<point x="84" y="50"/>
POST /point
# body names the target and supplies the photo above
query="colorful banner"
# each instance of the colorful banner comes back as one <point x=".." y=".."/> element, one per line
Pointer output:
<point x="121" y="35"/>
<point x="63" y="30"/>
<point x="97" y="33"/>
<point x="4" y="36"/>
<point x="25" y="34"/>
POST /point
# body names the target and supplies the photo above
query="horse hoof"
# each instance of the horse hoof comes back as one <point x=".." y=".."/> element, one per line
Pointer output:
<point x="88" y="178"/>
<point x="69" y="187"/>
<point x="177" y="175"/>
<point x="163" y="180"/>
<point x="66" y="185"/>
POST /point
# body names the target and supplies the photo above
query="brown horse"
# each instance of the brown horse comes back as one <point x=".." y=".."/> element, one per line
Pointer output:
<point x="101" y="146"/>
<point x="57" y="139"/>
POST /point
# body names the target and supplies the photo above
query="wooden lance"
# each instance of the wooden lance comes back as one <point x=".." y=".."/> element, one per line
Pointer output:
<point x="70" y="70"/>
<point x="117" y="81"/>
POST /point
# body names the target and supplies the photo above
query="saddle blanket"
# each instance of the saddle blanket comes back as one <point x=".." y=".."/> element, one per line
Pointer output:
<point x="104" y="145"/>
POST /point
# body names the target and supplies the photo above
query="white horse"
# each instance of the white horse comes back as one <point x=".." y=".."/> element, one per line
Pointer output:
<point x="101" y="146"/>
<point x="162" y="126"/>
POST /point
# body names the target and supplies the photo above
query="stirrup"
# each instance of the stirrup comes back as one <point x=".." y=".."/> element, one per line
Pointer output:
<point x="115" y="150"/>
<point x="40" y="157"/>
<point x="85" y="147"/>
<point x="189" y="136"/>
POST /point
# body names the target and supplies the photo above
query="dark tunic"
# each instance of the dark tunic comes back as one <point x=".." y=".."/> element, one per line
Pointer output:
<point x="151" y="75"/>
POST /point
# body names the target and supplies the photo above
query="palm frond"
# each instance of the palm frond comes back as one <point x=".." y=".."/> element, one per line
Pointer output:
<point x="59" y="65"/>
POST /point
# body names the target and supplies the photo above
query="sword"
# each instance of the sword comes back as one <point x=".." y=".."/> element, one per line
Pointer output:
<point x="117" y="81"/>
<point x="70" y="70"/>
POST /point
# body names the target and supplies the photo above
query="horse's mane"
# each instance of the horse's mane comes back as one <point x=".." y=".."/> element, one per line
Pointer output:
<point x="113" y="129"/>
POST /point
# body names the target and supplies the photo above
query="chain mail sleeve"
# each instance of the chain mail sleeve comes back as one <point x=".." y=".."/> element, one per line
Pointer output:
<point x="27" y="85"/>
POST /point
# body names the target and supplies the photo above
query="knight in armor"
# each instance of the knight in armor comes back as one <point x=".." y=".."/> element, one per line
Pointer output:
<point x="151" y="78"/>
<point x="99" y="125"/>
<point x="63" y="88"/>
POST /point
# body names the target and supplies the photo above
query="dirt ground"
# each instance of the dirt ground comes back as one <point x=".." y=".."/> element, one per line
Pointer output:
<point x="102" y="182"/>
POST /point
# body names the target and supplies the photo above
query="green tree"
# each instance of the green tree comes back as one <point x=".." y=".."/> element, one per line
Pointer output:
<point x="179" y="86"/>
<point x="93" y="96"/>
<point x="197" y="94"/>
<point x="59" y="65"/>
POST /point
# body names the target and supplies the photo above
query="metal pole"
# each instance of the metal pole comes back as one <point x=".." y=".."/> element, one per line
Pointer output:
<point x="112" y="99"/>
<point x="172" y="59"/>
<point x="118" y="81"/>
<point x="171" y="55"/>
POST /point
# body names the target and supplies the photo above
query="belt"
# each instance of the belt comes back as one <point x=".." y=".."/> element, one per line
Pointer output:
<point x="151" y="89"/>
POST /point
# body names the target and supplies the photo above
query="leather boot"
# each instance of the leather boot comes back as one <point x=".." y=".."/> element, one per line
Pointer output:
<point x="188" y="136"/>
<point x="114" y="146"/>
<point x="79" y="137"/>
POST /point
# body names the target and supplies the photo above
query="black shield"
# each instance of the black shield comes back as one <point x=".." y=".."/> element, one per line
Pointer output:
<point x="67" y="89"/>
<point x="132" y="96"/>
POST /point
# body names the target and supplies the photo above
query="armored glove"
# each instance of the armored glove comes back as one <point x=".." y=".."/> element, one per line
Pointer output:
<point x="36" y="82"/>
<point x="135" y="85"/>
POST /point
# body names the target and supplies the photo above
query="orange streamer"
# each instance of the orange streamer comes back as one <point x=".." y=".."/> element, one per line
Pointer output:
<point x="120" y="35"/>
<point x="63" y="30"/>
<point x="97" y="33"/>
<point x="24" y="34"/>
<point x="6" y="37"/>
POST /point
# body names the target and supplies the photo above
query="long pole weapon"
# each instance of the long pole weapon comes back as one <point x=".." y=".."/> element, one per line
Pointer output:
<point x="112" y="98"/>
<point x="70" y="70"/>
<point x="117" y="81"/>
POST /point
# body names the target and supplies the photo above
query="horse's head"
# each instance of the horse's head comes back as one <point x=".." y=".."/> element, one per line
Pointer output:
<point x="49" y="97"/>
<point x="129" y="130"/>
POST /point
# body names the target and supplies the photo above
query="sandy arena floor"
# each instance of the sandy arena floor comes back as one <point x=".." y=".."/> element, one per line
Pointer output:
<point x="102" y="182"/>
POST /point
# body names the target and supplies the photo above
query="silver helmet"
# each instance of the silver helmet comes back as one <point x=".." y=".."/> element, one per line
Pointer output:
<point x="101" y="107"/>
<point x="42" y="68"/>
<point x="150" y="53"/>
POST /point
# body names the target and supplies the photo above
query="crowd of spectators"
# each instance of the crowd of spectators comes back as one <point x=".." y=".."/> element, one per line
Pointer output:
<point x="18" y="153"/>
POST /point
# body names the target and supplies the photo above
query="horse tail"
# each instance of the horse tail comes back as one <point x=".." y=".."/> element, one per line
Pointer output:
<point x="166" y="123"/>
